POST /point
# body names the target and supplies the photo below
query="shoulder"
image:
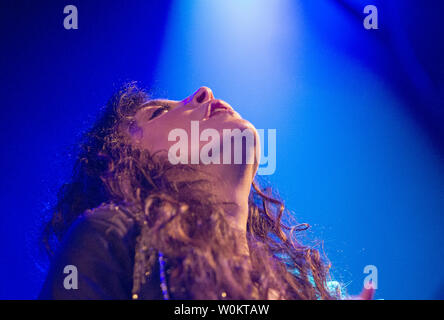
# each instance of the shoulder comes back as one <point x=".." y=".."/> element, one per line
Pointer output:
<point x="106" y="229"/>
<point x="107" y="232"/>
<point x="100" y="245"/>
<point x="110" y="221"/>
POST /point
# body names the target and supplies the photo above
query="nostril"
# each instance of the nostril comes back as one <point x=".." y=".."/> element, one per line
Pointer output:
<point x="201" y="97"/>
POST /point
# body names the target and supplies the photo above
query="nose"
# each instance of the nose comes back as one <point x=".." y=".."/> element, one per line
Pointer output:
<point x="202" y="95"/>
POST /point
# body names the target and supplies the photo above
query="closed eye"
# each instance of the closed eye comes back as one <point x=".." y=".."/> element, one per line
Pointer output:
<point x="159" y="111"/>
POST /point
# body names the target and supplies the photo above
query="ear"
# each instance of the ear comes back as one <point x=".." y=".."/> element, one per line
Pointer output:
<point x="135" y="131"/>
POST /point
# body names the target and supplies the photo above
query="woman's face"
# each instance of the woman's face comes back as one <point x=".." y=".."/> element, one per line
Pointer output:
<point x="159" y="121"/>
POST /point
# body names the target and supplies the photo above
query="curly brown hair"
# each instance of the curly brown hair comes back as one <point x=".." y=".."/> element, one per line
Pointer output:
<point x="180" y="217"/>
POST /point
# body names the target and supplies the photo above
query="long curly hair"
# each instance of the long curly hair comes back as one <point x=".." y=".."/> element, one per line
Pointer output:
<point x="181" y="218"/>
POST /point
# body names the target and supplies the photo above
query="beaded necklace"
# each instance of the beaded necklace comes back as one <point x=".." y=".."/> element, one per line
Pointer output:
<point x="163" y="282"/>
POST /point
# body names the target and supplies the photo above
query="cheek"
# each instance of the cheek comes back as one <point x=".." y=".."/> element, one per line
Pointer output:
<point x="155" y="134"/>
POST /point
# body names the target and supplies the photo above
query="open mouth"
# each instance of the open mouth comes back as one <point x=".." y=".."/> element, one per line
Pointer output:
<point x="218" y="107"/>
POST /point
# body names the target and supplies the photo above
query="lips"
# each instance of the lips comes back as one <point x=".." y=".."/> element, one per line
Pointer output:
<point x="218" y="107"/>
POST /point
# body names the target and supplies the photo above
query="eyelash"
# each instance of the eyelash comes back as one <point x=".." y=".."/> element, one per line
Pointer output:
<point x="159" y="111"/>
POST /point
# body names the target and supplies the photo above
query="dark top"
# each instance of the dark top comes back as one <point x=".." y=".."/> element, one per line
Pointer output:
<point x="101" y="246"/>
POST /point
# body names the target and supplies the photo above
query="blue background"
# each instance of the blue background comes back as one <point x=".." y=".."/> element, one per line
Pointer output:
<point x="359" y="115"/>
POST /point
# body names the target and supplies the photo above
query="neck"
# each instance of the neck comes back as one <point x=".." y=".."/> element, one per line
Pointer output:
<point x="232" y="185"/>
<point x="235" y="186"/>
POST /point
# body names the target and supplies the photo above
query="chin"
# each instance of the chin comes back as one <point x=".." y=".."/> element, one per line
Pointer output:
<point x="236" y="122"/>
<point x="243" y="124"/>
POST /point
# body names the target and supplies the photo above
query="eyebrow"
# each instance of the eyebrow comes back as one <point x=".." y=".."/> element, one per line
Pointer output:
<point x="156" y="102"/>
